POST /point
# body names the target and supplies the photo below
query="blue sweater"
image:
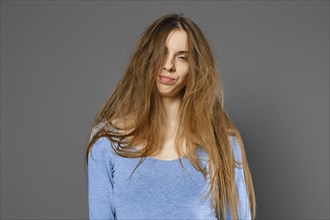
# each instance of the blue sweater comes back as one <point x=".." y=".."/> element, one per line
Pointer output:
<point x="158" y="189"/>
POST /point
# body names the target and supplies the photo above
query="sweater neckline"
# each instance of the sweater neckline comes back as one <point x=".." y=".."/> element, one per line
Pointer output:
<point x="165" y="161"/>
<point x="159" y="160"/>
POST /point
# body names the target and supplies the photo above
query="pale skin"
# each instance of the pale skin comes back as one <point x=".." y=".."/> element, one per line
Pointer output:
<point x="176" y="67"/>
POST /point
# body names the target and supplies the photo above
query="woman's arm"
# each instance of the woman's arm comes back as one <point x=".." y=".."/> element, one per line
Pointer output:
<point x="243" y="209"/>
<point x="100" y="181"/>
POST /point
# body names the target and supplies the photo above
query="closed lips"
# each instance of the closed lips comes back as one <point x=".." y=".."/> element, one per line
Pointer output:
<point x="166" y="77"/>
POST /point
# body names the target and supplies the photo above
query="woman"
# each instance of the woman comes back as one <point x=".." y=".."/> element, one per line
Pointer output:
<point x="165" y="123"/>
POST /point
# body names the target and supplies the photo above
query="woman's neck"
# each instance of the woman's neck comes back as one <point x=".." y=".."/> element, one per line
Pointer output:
<point x="171" y="106"/>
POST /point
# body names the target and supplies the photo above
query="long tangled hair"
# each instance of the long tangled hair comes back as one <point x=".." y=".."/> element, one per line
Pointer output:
<point x="134" y="114"/>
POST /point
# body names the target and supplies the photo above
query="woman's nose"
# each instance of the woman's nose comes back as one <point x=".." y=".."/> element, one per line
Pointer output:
<point x="169" y="64"/>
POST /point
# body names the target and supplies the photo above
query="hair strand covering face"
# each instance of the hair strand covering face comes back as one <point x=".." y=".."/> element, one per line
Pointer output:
<point x="134" y="109"/>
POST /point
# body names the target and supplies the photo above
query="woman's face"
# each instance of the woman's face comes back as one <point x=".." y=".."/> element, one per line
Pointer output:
<point x="172" y="79"/>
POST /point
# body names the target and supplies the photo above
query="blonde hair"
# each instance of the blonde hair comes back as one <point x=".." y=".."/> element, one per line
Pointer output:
<point x="134" y="109"/>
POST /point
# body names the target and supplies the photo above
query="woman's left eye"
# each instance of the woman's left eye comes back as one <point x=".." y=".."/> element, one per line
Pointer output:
<point x="184" y="58"/>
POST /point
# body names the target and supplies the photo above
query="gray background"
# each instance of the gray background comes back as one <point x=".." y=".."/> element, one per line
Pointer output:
<point x="61" y="59"/>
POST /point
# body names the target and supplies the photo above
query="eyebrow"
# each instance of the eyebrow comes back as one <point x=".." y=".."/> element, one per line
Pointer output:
<point x="179" y="52"/>
<point x="182" y="51"/>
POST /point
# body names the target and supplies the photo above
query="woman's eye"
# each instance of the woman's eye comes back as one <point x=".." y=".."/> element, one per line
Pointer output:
<point x="184" y="58"/>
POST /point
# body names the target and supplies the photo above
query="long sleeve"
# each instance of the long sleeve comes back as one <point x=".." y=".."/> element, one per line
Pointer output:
<point x="243" y="209"/>
<point x="100" y="181"/>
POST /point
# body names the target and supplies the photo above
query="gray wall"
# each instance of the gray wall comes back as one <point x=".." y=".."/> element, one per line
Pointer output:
<point x="60" y="60"/>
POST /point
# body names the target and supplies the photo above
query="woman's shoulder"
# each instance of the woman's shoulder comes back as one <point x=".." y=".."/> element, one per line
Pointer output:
<point x="123" y="123"/>
<point x="102" y="145"/>
<point x="233" y="143"/>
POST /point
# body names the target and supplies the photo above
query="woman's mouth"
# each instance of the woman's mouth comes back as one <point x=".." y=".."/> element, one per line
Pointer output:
<point x="166" y="79"/>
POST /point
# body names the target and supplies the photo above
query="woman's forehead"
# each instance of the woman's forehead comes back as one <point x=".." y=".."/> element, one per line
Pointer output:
<point x="177" y="41"/>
